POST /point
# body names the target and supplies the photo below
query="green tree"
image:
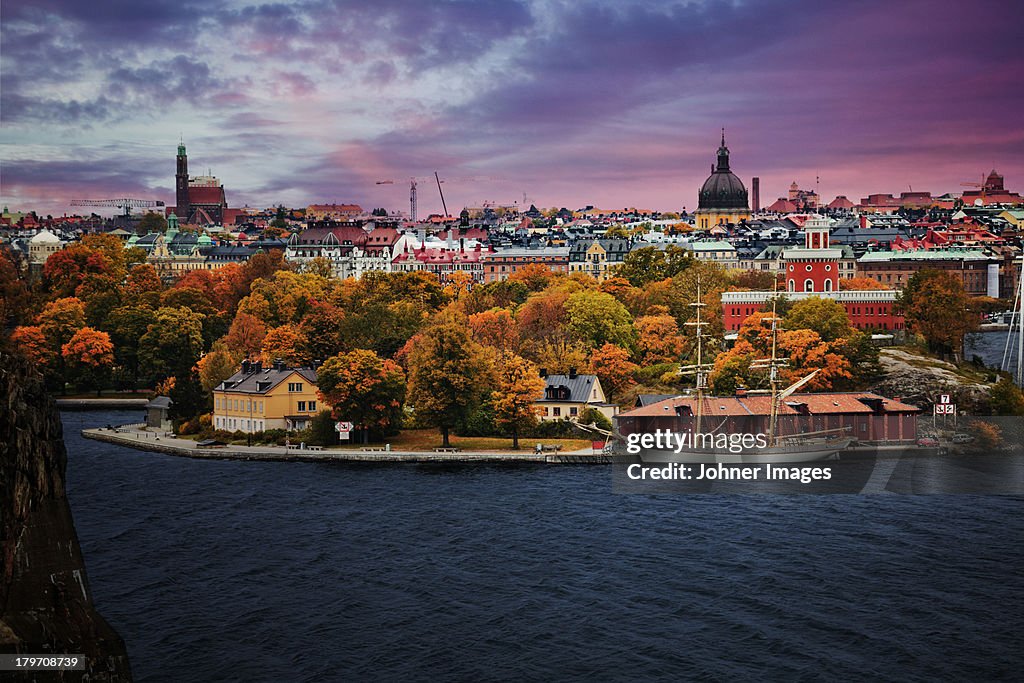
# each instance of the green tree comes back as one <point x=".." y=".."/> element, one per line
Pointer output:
<point x="152" y="222"/>
<point x="1006" y="398"/>
<point x="650" y="264"/>
<point x="449" y="374"/>
<point x="596" y="318"/>
<point x="825" y="316"/>
<point x="172" y="343"/>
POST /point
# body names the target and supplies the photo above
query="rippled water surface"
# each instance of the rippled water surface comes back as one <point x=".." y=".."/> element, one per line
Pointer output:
<point x="289" y="571"/>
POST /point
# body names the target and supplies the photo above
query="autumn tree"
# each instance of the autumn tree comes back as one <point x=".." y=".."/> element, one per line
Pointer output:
<point x="364" y="389"/>
<point x="246" y="335"/>
<point x="30" y="342"/>
<point x="284" y="343"/>
<point x="65" y="270"/>
<point x="321" y="330"/>
<point x="658" y="337"/>
<point x="143" y="284"/>
<point x="556" y="356"/>
<point x="860" y="283"/>
<point x="14" y="293"/>
<point x="543" y="316"/>
<point x="496" y="328"/>
<point x="217" y="365"/>
<point x="60" y="320"/>
<point x="535" y="276"/>
<point x="596" y="318"/>
<point x="89" y="355"/>
<point x="755" y="280"/>
<point x="612" y="366"/>
<point x="519" y="386"/>
<point x="449" y="374"/>
<point x="935" y="306"/>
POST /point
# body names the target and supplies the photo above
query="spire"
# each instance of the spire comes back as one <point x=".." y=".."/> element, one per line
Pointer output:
<point x="723" y="156"/>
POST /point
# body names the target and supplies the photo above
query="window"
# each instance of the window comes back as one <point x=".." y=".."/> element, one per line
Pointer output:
<point x="808" y="285"/>
<point x="557" y="412"/>
<point x="808" y="267"/>
<point x="302" y="406"/>
<point x="294" y="387"/>
<point x="573" y="411"/>
<point x="312" y="406"/>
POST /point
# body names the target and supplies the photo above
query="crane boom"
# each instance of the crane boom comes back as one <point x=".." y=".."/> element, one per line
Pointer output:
<point x="126" y="203"/>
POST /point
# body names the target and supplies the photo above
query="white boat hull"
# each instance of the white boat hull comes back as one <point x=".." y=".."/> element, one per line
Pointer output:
<point x="799" y="452"/>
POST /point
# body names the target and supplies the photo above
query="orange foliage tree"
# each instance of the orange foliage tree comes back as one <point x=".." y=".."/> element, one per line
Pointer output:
<point x="284" y="343"/>
<point x="659" y="340"/>
<point x="612" y="366"/>
<point x="89" y="355"/>
<point x="246" y="335"/>
<point x="496" y="328"/>
<point x="519" y="385"/>
<point x="31" y="343"/>
<point x="363" y="388"/>
<point x="860" y="283"/>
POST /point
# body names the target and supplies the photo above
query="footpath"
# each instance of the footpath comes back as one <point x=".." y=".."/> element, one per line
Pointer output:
<point x="136" y="436"/>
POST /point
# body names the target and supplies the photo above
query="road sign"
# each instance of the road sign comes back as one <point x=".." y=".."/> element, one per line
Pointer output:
<point x="944" y="398"/>
<point x="343" y="427"/>
<point x="948" y="409"/>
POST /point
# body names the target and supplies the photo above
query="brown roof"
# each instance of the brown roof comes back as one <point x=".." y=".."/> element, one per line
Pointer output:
<point x="206" y="195"/>
<point x="760" y="404"/>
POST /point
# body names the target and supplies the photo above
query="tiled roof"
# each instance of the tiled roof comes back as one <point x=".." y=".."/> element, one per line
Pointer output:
<point x="760" y="404"/>
<point x="581" y="387"/>
<point x="264" y="380"/>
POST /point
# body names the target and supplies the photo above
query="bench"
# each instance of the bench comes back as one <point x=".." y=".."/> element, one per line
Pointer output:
<point x="314" y="448"/>
<point x="366" y="449"/>
<point x="551" y="448"/>
<point x="447" y="450"/>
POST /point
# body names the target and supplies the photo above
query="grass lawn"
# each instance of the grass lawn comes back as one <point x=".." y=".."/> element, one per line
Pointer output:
<point x="429" y="439"/>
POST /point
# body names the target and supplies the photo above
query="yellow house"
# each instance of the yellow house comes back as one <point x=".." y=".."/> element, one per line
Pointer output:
<point x="567" y="396"/>
<point x="256" y="399"/>
<point x="599" y="257"/>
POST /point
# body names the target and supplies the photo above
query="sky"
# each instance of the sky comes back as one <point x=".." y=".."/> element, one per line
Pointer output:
<point x="569" y="102"/>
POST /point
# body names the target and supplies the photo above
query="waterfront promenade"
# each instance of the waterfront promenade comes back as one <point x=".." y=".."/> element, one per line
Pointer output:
<point x="133" y="436"/>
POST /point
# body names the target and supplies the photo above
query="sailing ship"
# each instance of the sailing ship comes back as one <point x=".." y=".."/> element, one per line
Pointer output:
<point x="1016" y="327"/>
<point x="776" y="446"/>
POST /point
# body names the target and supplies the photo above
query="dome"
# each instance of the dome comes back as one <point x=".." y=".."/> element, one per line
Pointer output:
<point x="722" y="189"/>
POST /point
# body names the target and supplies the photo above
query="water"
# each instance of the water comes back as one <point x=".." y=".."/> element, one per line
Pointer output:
<point x="237" y="571"/>
<point x="990" y="346"/>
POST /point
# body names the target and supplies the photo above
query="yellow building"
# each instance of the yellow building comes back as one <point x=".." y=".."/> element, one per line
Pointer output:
<point x="256" y="399"/>
<point x="598" y="257"/>
<point x="723" y="197"/>
<point x="567" y="396"/>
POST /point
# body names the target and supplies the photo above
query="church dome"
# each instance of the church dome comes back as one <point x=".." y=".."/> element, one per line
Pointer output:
<point x="722" y="189"/>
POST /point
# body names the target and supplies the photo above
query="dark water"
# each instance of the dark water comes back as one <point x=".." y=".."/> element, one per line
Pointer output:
<point x="224" y="571"/>
<point x="990" y="347"/>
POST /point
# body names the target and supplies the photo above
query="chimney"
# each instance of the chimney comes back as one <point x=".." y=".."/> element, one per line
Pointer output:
<point x="279" y="364"/>
<point x="755" y="194"/>
<point x="741" y="392"/>
<point x="572" y="373"/>
<point x="543" y="372"/>
<point x="259" y="366"/>
<point x="246" y="367"/>
<point x="462" y="244"/>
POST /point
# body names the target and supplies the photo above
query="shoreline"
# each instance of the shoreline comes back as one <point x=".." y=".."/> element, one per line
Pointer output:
<point x="100" y="403"/>
<point x="152" y="442"/>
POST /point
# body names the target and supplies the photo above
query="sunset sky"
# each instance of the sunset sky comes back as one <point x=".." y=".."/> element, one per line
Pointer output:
<point x="611" y="103"/>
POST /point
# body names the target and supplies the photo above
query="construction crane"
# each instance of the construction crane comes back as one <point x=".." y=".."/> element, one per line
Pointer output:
<point x="125" y="203"/>
<point x="981" y="186"/>
<point x="413" y="180"/>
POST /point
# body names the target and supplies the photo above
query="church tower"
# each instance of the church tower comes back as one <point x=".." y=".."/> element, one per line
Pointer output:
<point x="182" y="208"/>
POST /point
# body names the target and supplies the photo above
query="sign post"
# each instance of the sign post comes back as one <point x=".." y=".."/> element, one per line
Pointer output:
<point x="343" y="429"/>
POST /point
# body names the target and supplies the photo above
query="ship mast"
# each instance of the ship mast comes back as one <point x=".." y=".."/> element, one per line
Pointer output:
<point x="1016" y="322"/>
<point x="700" y="369"/>
<point x="773" y="364"/>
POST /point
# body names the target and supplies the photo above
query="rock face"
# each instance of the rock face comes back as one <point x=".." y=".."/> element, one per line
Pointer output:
<point x="45" y="605"/>
<point x="920" y="381"/>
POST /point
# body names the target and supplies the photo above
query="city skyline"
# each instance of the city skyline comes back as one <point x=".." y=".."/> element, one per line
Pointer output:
<point x="608" y="104"/>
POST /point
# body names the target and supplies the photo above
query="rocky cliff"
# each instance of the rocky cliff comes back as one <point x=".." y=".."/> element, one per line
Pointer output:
<point x="45" y="605"/>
